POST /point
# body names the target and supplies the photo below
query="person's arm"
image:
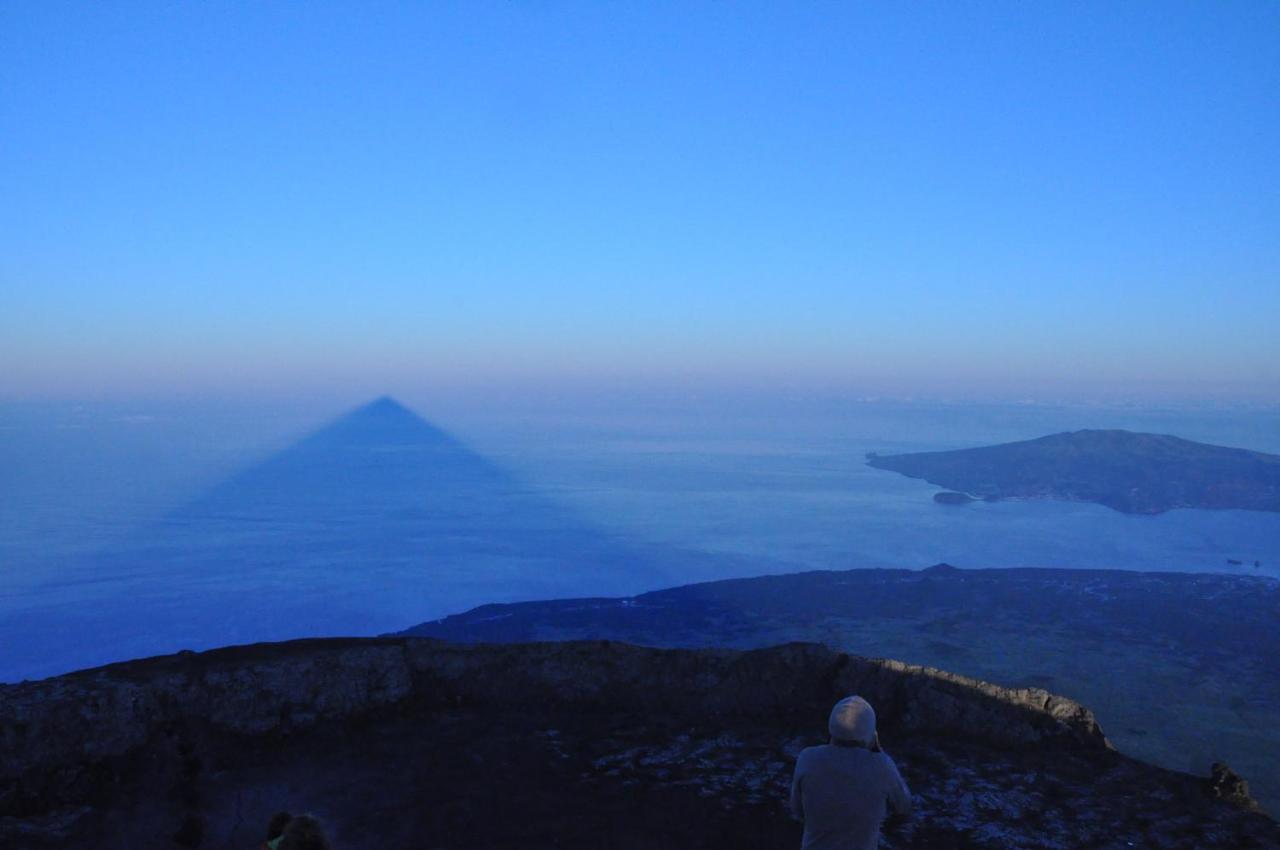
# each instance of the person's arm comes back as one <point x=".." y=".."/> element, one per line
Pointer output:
<point x="899" y="794"/>
<point x="797" y="794"/>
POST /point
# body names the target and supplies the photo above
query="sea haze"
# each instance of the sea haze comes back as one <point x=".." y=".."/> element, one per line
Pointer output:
<point x="127" y="533"/>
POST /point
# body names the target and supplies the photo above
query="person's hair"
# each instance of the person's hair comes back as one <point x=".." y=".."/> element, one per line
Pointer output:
<point x="304" y="833"/>
<point x="275" y="826"/>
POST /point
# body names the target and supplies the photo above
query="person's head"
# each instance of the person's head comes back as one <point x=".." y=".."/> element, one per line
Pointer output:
<point x="852" y="721"/>
<point x="304" y="833"/>
<point x="275" y="826"/>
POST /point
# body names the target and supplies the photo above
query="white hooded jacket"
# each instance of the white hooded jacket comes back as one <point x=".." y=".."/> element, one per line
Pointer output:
<point x="841" y="791"/>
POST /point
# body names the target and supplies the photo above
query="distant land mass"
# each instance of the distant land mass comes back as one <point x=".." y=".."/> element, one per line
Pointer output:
<point x="1131" y="472"/>
<point x="1181" y="668"/>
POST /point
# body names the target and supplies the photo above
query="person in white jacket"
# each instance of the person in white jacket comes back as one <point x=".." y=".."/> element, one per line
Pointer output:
<point x="842" y="790"/>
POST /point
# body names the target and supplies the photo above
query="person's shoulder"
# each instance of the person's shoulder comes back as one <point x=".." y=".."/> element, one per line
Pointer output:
<point x="886" y="761"/>
<point x="810" y="753"/>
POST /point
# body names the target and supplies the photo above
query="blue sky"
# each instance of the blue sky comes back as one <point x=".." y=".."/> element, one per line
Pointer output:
<point x="961" y="200"/>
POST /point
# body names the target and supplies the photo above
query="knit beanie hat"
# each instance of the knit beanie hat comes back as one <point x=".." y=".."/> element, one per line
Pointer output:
<point x="853" y="719"/>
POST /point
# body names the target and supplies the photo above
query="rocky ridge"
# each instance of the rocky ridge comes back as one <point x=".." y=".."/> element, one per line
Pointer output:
<point x="404" y="742"/>
<point x="1160" y="657"/>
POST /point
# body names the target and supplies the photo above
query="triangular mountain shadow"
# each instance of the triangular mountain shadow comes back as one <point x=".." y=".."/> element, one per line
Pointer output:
<point x="374" y="522"/>
<point x="380" y="460"/>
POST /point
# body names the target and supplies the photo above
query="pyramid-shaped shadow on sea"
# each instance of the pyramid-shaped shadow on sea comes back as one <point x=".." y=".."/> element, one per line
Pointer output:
<point x="379" y="463"/>
<point x="374" y="522"/>
<point x="381" y="491"/>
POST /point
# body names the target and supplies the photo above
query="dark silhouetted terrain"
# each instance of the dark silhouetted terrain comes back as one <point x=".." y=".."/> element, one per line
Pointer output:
<point x="404" y="744"/>
<point x="1183" y="669"/>
<point x="1127" y="471"/>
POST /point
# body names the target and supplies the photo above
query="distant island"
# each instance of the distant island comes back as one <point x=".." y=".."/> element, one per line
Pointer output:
<point x="1130" y="472"/>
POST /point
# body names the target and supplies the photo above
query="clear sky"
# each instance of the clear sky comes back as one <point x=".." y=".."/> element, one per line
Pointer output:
<point x="959" y="199"/>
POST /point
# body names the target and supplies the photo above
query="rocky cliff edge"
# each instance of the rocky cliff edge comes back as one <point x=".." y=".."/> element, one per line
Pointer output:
<point x="670" y="747"/>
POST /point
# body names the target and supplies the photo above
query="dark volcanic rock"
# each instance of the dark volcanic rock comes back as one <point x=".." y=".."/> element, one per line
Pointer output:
<point x="1226" y="784"/>
<point x="1127" y="471"/>
<point x="1163" y="657"/>
<point x="402" y="743"/>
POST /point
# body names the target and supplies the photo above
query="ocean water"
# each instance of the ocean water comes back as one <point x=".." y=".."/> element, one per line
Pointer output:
<point x="799" y="496"/>
<point x="98" y="562"/>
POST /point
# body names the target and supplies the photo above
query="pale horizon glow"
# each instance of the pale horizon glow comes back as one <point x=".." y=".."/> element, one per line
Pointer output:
<point x="1053" y="202"/>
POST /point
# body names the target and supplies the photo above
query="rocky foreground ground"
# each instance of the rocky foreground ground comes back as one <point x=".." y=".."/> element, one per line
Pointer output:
<point x="412" y="743"/>
<point x="1182" y="669"/>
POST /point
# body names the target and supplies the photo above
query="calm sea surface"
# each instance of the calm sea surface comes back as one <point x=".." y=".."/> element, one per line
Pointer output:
<point x="715" y="495"/>
<point x="805" y="498"/>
